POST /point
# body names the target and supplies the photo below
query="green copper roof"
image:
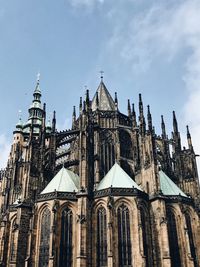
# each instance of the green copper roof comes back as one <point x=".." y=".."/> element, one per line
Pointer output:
<point x="168" y="187"/>
<point x="105" y="100"/>
<point x="19" y="124"/>
<point x="64" y="181"/>
<point x="37" y="89"/>
<point x="117" y="178"/>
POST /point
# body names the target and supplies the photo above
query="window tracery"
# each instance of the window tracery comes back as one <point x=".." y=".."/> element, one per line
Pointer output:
<point x="101" y="238"/>
<point x="65" y="259"/>
<point x="44" y="238"/>
<point x="124" y="237"/>
<point x="173" y="239"/>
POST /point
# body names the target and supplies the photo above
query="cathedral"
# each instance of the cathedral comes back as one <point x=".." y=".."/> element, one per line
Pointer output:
<point x="108" y="192"/>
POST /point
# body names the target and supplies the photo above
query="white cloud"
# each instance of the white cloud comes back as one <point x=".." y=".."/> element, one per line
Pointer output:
<point x="4" y="150"/>
<point x="85" y="3"/>
<point x="164" y="29"/>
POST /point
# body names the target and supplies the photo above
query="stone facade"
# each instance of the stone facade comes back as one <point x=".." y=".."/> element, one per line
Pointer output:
<point x="116" y="225"/>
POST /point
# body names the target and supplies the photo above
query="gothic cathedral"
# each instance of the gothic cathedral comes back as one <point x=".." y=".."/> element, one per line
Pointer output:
<point x="109" y="192"/>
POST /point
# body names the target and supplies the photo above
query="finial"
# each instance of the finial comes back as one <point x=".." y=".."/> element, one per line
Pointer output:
<point x="101" y="72"/>
<point x="129" y="108"/>
<point x="38" y="77"/>
<point x="149" y="118"/>
<point x="20" y="114"/>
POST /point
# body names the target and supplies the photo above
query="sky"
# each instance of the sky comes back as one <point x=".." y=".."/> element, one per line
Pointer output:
<point x="149" y="47"/>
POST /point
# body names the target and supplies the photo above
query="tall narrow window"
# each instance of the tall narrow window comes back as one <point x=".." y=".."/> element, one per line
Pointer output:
<point x="66" y="238"/>
<point x="173" y="240"/>
<point x="145" y="236"/>
<point x="101" y="238"/>
<point x="13" y="242"/>
<point x="124" y="237"/>
<point x="45" y="238"/>
<point x="191" y="240"/>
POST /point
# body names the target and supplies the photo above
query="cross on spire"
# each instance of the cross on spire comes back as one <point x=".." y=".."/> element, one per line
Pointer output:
<point x="101" y="72"/>
<point x="38" y="77"/>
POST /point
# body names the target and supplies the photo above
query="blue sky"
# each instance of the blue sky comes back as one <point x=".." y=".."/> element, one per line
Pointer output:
<point x="149" y="47"/>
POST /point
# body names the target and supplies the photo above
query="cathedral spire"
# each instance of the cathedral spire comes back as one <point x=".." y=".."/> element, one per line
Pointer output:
<point x="149" y="118"/>
<point x="175" y="124"/>
<point x="116" y="101"/>
<point x="106" y="103"/>
<point x="74" y="116"/>
<point x="176" y="134"/>
<point x="87" y="99"/>
<point x="129" y="108"/>
<point x="54" y="122"/>
<point x="134" y="116"/>
<point x="163" y="127"/>
<point x="141" y="116"/>
<point x="80" y="105"/>
<point x="189" y="139"/>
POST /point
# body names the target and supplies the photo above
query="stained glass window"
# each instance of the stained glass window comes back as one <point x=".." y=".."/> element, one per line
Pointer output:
<point x="191" y="240"/>
<point x="173" y="239"/>
<point x="44" y="238"/>
<point x="65" y="259"/>
<point x="101" y="238"/>
<point x="124" y="237"/>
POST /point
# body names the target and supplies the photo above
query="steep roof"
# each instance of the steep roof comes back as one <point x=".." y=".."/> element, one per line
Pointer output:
<point x="117" y="178"/>
<point x="168" y="187"/>
<point x="64" y="181"/>
<point x="105" y="100"/>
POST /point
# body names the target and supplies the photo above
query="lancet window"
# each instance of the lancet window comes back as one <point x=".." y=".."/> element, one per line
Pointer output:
<point x="44" y="238"/>
<point x="173" y="239"/>
<point x="124" y="237"/>
<point x="145" y="236"/>
<point x="107" y="153"/>
<point x="101" y="238"/>
<point x="191" y="239"/>
<point x="66" y="235"/>
<point x="13" y="242"/>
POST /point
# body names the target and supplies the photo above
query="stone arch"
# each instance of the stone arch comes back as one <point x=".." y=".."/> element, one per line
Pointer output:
<point x="13" y="239"/>
<point x="189" y="230"/>
<point x="99" y="232"/>
<point x="124" y="236"/>
<point x="44" y="222"/>
<point x="172" y="227"/>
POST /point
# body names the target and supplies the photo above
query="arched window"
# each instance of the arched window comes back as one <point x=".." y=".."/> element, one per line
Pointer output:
<point x="190" y="237"/>
<point x="124" y="237"/>
<point x="107" y="158"/>
<point x="44" y="238"/>
<point x="101" y="238"/>
<point x="173" y="239"/>
<point x="145" y="236"/>
<point x="13" y="242"/>
<point x="65" y="259"/>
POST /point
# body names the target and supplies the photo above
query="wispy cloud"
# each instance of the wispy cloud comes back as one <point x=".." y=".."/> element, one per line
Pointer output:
<point x="4" y="150"/>
<point x="85" y="3"/>
<point x="164" y="29"/>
